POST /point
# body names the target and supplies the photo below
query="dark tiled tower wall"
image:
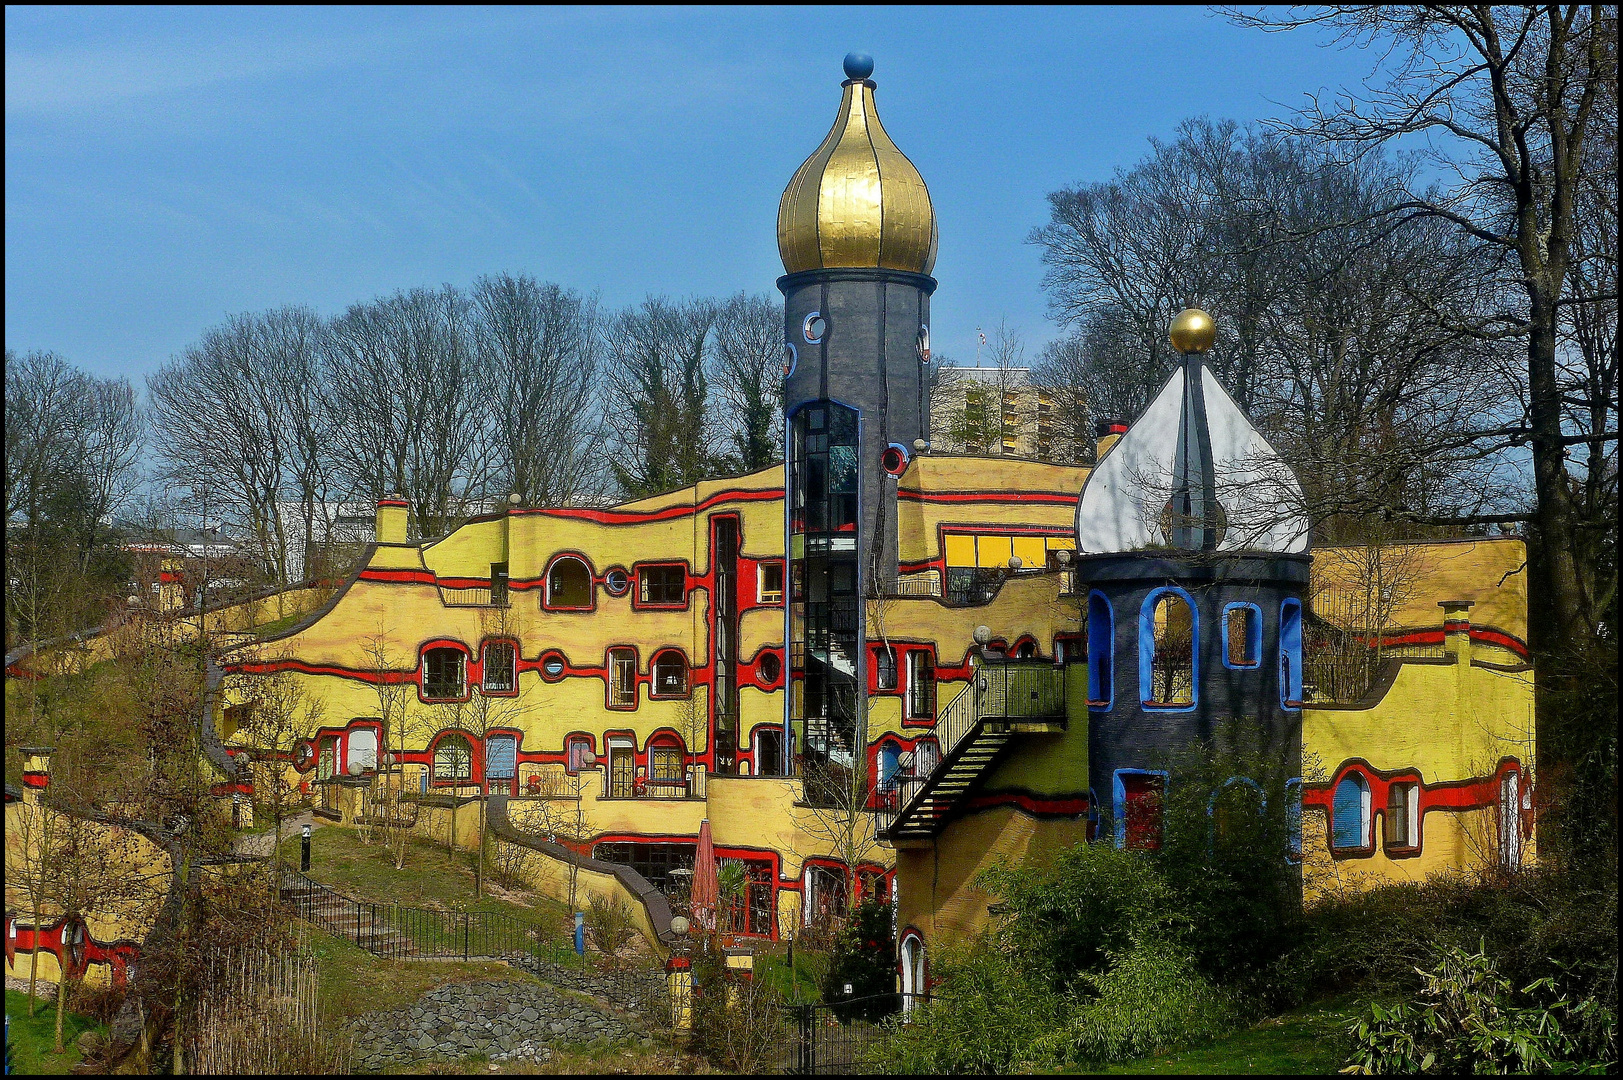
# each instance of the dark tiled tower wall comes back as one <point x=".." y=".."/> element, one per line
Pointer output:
<point x="869" y="360"/>
<point x="1129" y="736"/>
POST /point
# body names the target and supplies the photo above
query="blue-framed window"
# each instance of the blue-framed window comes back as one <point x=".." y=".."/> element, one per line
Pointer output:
<point x="1222" y="805"/>
<point x="1350" y="817"/>
<point x="1139" y="798"/>
<point x="1168" y="651"/>
<point x="1101" y="650"/>
<point x="1293" y="819"/>
<point x="1290" y="654"/>
<point x="1242" y="635"/>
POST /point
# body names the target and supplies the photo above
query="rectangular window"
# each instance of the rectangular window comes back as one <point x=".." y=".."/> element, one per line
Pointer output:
<point x="665" y="763"/>
<point x="663" y="585"/>
<point x="499" y="667"/>
<point x="498" y="584"/>
<point x="622" y="771"/>
<point x="442" y="673"/>
<point x="769" y="751"/>
<point x="501" y="757"/>
<point x="653" y="861"/>
<point x="1139" y="800"/>
<point x="1242" y="635"/>
<point x="579" y="747"/>
<point x="885" y="668"/>
<point x="1402" y="816"/>
<point x="771" y="584"/>
<point x="921" y="685"/>
<point x="622" y="678"/>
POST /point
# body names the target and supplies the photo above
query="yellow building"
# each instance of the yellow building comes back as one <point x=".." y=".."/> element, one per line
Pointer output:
<point x="878" y="667"/>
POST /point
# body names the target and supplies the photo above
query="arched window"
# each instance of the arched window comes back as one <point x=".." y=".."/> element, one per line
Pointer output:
<point x="1350" y="814"/>
<point x="890" y="755"/>
<point x="667" y="774"/>
<point x="443" y="674"/>
<point x="670" y="669"/>
<point x="1234" y="809"/>
<point x="913" y="978"/>
<point x="1101" y="648"/>
<point x="1166" y="650"/>
<point x="1290" y="654"/>
<point x="453" y="758"/>
<point x="569" y="584"/>
<point x="363" y="748"/>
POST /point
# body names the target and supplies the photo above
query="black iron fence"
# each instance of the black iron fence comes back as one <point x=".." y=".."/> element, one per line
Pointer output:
<point x="843" y="1038"/>
<point x="395" y="932"/>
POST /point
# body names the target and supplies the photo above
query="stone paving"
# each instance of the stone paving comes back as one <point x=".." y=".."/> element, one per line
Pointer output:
<point x="499" y="1020"/>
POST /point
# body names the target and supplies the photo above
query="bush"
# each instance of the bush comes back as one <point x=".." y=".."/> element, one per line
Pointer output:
<point x="1065" y="917"/>
<point x="737" y="1021"/>
<point x="1468" y="1021"/>
<point x="991" y="1022"/>
<point x="1149" y="999"/>
<point x="609" y="922"/>
<point x="863" y="958"/>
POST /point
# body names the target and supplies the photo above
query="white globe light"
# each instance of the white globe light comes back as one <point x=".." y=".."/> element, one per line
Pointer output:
<point x="679" y="926"/>
<point x="983" y="635"/>
<point x="588" y="759"/>
<point x="356" y="768"/>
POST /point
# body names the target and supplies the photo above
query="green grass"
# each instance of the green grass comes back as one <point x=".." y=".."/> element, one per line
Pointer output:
<point x="802" y="984"/>
<point x="1308" y="1042"/>
<point x="33" y="1039"/>
<point x="433" y="878"/>
<point x="353" y="981"/>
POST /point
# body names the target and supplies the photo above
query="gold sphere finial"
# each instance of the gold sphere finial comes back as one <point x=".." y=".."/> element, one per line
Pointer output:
<point x="1193" y="331"/>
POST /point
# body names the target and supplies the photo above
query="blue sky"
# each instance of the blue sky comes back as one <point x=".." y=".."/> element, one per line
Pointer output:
<point x="168" y="167"/>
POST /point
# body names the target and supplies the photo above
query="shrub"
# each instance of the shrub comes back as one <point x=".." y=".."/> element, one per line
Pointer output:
<point x="989" y="1019"/>
<point x="863" y="958"/>
<point x="737" y="1021"/>
<point x="1065" y="917"/>
<point x="1150" y="998"/>
<point x="1468" y="1020"/>
<point x="608" y="920"/>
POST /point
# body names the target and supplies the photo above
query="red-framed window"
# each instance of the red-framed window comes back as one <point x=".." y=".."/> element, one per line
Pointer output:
<point x="661" y="585"/>
<point x="669" y="670"/>
<point x="622" y="686"/>
<point x="444" y="671"/>
<point x="499" y="667"/>
<point x="568" y="585"/>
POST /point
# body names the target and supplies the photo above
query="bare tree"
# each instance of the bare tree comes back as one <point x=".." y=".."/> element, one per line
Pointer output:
<point x="1341" y="331"/>
<point x="1510" y="99"/>
<point x="538" y="348"/>
<point x="404" y="374"/>
<point x="239" y="414"/>
<point x="657" y="391"/>
<point x="747" y="362"/>
<point x="396" y="729"/>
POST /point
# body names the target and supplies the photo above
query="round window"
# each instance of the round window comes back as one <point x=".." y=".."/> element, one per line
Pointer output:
<point x="769" y="667"/>
<point x="616" y="581"/>
<point x="814" y="327"/>
<point x="552" y="667"/>
<point x="790" y="355"/>
<point x="893" y="460"/>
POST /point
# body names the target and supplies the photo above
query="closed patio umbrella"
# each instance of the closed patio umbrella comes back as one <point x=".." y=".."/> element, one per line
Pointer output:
<point x="705" y="888"/>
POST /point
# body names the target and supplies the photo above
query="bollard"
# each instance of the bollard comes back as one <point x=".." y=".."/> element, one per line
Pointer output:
<point x="580" y="933"/>
<point x="304" y="851"/>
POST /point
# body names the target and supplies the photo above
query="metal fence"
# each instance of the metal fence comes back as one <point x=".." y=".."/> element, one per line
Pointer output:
<point x="843" y="1038"/>
<point x="397" y="932"/>
<point x="1022" y="691"/>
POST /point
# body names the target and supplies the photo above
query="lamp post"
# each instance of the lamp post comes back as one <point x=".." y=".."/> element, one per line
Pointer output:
<point x="679" y="975"/>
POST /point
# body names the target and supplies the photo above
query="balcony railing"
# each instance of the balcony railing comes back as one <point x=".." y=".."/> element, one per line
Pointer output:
<point x="475" y="597"/>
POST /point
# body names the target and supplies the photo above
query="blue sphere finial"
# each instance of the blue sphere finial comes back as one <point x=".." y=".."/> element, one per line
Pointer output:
<point x="858" y="65"/>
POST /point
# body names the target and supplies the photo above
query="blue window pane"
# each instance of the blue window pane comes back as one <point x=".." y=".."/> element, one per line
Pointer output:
<point x="501" y="757"/>
<point x="1101" y="647"/>
<point x="1290" y="654"/>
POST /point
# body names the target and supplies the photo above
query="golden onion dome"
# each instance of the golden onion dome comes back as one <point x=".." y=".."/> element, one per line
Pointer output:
<point x="857" y="201"/>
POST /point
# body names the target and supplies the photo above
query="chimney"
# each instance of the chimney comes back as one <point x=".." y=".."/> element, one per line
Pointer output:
<point x="1457" y="629"/>
<point x="393" y="512"/>
<point x="1106" y="432"/>
<point x="36" y="771"/>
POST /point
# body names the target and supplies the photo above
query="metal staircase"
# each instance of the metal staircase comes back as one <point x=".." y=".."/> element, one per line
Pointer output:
<point x="1002" y="702"/>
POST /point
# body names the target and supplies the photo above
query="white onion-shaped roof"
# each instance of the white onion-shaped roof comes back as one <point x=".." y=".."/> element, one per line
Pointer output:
<point x="1126" y="494"/>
